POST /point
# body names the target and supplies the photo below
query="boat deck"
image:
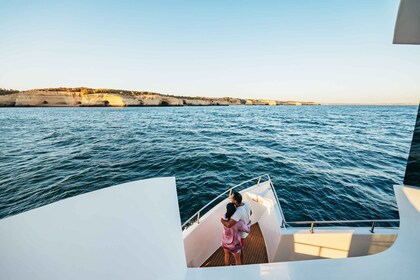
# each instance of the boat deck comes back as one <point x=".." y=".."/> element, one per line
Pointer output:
<point x="254" y="250"/>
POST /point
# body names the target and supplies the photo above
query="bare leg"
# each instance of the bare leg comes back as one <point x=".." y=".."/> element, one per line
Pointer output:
<point x="242" y="252"/>
<point x="237" y="257"/>
<point x="227" y="256"/>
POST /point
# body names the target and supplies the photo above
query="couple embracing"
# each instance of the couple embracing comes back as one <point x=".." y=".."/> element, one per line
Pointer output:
<point x="236" y="226"/>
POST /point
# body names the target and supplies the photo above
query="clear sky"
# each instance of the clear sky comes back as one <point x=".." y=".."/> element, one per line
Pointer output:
<point x="330" y="51"/>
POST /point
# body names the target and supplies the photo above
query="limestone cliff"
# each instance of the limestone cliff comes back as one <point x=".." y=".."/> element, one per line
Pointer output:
<point x="116" y="98"/>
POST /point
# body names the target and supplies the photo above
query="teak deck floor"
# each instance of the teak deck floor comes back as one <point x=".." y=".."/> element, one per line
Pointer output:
<point x="254" y="250"/>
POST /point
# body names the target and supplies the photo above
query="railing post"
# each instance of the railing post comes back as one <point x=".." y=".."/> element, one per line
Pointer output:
<point x="312" y="228"/>
<point x="259" y="179"/>
<point x="372" y="230"/>
<point x="198" y="218"/>
<point x="230" y="192"/>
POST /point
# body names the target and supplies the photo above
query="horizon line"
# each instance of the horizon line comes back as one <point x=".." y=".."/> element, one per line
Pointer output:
<point x="296" y="100"/>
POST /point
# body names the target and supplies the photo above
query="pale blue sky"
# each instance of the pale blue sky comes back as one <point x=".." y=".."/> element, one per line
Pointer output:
<point x="326" y="51"/>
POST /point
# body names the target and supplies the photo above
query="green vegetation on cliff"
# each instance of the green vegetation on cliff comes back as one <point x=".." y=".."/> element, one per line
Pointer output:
<point x="84" y="90"/>
<point x="4" y="91"/>
<point x="83" y="96"/>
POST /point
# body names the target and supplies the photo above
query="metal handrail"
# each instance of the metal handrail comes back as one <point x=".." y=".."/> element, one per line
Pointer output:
<point x="312" y="223"/>
<point x="341" y="222"/>
<point x="278" y="202"/>
<point x="372" y="229"/>
<point x="284" y="222"/>
<point x="220" y="195"/>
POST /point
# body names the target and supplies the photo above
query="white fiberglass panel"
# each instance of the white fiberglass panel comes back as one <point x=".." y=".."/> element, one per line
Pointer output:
<point x="407" y="27"/>
<point x="398" y="262"/>
<point x="269" y="218"/>
<point x="127" y="231"/>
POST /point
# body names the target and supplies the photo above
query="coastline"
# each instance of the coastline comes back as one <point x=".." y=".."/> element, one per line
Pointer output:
<point x="86" y="97"/>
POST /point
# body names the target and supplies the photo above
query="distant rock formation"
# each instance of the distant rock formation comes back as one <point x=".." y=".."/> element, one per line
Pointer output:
<point x="86" y="97"/>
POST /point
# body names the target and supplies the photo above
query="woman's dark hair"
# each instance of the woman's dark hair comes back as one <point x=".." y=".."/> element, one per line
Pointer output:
<point x="230" y="209"/>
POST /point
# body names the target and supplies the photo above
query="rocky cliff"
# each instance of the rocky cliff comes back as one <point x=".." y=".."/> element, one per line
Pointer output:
<point x="115" y="98"/>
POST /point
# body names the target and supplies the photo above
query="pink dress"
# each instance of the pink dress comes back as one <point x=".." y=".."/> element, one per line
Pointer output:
<point x="231" y="238"/>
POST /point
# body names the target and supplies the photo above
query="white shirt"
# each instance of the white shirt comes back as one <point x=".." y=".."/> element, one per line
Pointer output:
<point x="243" y="213"/>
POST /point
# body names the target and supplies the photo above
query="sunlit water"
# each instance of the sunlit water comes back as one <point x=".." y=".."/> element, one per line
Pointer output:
<point x="326" y="162"/>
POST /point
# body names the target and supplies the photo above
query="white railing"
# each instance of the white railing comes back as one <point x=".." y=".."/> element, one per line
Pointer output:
<point x="313" y="223"/>
<point x="284" y="223"/>
<point x="229" y="191"/>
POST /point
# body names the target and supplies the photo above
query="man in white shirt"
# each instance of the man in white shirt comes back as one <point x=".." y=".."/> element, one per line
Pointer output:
<point x="243" y="212"/>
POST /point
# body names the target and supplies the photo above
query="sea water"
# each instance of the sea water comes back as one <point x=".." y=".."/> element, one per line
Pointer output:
<point x="326" y="162"/>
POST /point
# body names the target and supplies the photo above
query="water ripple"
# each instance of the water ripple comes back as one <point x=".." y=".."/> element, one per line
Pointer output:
<point x="327" y="162"/>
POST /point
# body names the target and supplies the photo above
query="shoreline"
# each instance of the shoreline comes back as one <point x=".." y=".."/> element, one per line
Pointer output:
<point x="86" y="97"/>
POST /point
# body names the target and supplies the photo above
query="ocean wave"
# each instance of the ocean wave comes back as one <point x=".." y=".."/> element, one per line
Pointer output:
<point x="326" y="162"/>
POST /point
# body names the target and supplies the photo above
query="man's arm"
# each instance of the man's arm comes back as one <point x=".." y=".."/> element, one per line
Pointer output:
<point x="250" y="209"/>
<point x="229" y="223"/>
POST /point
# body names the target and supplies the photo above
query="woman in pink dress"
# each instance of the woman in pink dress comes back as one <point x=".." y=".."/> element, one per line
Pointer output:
<point x="231" y="239"/>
